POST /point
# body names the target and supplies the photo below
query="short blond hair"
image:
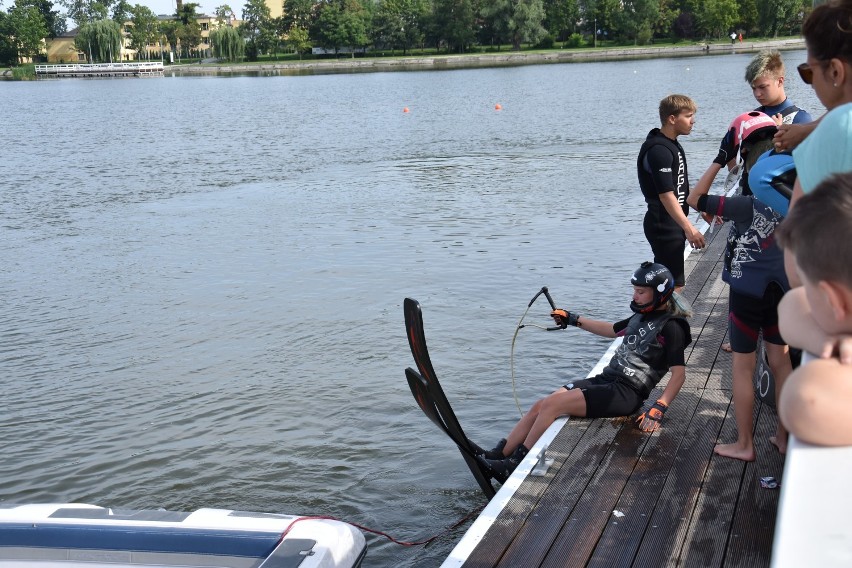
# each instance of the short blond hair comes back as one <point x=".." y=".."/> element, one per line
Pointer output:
<point x="767" y="63"/>
<point x="674" y="105"/>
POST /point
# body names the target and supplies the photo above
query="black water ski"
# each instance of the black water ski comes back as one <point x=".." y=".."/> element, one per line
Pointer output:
<point x="430" y="396"/>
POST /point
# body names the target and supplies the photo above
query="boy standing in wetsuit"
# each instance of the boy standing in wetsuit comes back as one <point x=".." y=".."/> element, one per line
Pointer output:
<point x="663" y="179"/>
<point x="765" y="75"/>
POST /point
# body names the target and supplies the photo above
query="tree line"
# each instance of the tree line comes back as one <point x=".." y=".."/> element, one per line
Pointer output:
<point x="452" y="26"/>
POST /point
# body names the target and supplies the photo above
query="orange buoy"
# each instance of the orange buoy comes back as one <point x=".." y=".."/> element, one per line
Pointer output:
<point x="405" y="109"/>
<point x="498" y="106"/>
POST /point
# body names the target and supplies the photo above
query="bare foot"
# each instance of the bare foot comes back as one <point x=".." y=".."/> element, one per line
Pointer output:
<point x="726" y="347"/>
<point x="735" y="451"/>
<point x="782" y="446"/>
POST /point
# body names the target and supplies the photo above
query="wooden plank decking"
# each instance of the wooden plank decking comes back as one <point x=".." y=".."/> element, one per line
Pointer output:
<point x="618" y="497"/>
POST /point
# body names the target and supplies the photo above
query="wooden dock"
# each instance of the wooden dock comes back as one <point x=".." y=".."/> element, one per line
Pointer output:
<point x="82" y="70"/>
<point x="618" y="497"/>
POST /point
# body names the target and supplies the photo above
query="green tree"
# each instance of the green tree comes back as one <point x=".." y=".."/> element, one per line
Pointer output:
<point x="144" y="31"/>
<point x="777" y="15"/>
<point x="299" y="13"/>
<point x="8" y="49"/>
<point x="86" y="11"/>
<point x="269" y="38"/>
<point x="453" y="23"/>
<point x="495" y="17"/>
<point x="716" y="18"/>
<point x="748" y="16"/>
<point x="28" y="29"/>
<point x="601" y="15"/>
<point x="343" y="24"/>
<point x="54" y="21"/>
<point x="298" y="39"/>
<point x="190" y="29"/>
<point x="227" y="43"/>
<point x="172" y="30"/>
<point x="561" y="17"/>
<point x="121" y="11"/>
<point x="400" y="23"/>
<point x="224" y="14"/>
<point x="526" y="23"/>
<point x="637" y="20"/>
<point x="101" y="40"/>
<point x="255" y="15"/>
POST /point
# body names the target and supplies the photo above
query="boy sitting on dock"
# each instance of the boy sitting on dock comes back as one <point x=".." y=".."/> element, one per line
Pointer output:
<point x="817" y="316"/>
<point x="654" y="339"/>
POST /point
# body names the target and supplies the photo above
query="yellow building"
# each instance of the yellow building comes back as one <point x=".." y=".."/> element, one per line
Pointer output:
<point x="63" y="50"/>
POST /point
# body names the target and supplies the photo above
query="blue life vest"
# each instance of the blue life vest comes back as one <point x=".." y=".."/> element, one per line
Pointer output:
<point x="771" y="180"/>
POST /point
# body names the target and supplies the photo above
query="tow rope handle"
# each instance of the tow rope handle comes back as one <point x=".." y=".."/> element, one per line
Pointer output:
<point x="549" y="299"/>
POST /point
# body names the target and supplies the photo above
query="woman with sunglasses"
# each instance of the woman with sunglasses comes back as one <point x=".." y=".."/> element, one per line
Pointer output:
<point x="828" y="149"/>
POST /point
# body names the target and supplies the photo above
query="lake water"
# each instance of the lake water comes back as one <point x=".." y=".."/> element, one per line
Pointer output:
<point x="202" y="278"/>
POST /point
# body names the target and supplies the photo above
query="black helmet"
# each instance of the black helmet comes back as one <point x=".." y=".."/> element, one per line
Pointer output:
<point x="658" y="277"/>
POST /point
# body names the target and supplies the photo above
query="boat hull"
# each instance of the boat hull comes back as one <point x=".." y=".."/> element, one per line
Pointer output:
<point x="72" y="535"/>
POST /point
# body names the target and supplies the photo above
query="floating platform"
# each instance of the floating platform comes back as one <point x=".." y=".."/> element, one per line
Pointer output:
<point x="78" y="70"/>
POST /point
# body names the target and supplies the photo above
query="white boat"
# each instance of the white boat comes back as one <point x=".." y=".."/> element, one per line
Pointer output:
<point x="86" y="536"/>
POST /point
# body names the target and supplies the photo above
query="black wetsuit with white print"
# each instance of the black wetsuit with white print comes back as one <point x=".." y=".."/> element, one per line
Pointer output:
<point x="662" y="168"/>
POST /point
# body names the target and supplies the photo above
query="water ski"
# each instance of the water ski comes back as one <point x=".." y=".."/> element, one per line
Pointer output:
<point x="430" y="396"/>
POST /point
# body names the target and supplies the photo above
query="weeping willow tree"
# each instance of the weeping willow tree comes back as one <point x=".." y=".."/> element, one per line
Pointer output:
<point x="101" y="39"/>
<point x="227" y="44"/>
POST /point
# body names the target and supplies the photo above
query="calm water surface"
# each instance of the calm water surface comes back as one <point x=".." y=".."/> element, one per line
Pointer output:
<point x="203" y="278"/>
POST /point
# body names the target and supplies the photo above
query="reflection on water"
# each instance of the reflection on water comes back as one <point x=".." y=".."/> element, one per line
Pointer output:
<point x="203" y="278"/>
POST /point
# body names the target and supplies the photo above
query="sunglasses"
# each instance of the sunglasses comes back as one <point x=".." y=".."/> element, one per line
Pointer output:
<point x="806" y="73"/>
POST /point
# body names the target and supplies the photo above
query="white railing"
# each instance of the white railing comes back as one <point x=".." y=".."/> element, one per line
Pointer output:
<point x="145" y="67"/>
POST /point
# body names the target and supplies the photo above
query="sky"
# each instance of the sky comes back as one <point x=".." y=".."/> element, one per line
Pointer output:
<point x="207" y="7"/>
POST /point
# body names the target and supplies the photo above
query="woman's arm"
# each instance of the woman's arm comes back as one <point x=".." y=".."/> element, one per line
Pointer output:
<point x="789" y="136"/>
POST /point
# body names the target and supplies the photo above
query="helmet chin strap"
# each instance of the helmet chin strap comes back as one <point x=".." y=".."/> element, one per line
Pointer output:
<point x="641" y="308"/>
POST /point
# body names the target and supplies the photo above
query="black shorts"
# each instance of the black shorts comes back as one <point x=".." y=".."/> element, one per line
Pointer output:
<point x="667" y="243"/>
<point x="749" y="316"/>
<point x="606" y="397"/>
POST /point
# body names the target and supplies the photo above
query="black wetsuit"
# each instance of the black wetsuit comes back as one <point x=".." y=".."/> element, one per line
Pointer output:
<point x="662" y="168"/>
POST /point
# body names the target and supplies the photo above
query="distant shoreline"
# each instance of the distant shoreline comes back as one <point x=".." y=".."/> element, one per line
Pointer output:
<point x="469" y="61"/>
